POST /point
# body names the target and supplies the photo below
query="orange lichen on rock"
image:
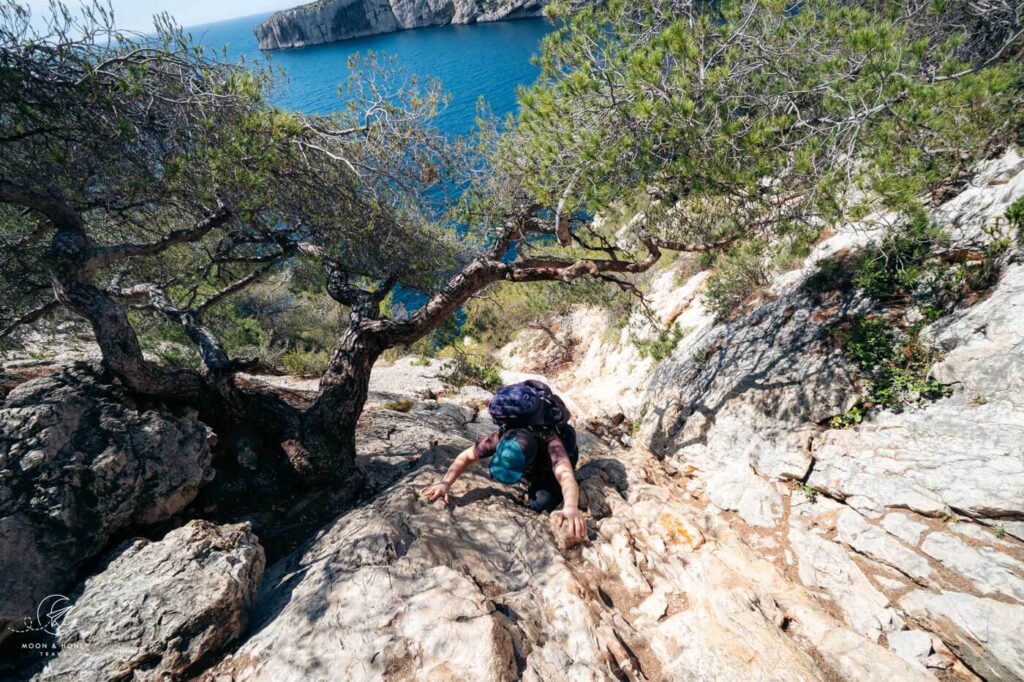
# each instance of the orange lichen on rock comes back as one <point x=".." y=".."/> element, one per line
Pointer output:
<point x="679" y="531"/>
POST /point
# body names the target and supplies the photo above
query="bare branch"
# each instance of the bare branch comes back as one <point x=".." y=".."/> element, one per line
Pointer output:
<point x="31" y="316"/>
<point x="981" y="65"/>
<point x="561" y="216"/>
<point x="535" y="270"/>
<point x="52" y="207"/>
<point x="215" y="358"/>
<point x="109" y="254"/>
<point x="693" y="247"/>
<point x="483" y="272"/>
<point x="241" y="283"/>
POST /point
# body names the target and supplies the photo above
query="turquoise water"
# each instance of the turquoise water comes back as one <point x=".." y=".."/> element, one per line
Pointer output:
<point x="482" y="60"/>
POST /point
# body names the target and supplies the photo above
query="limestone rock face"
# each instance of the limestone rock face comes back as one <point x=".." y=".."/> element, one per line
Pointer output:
<point x="598" y="365"/>
<point x="987" y="634"/>
<point x="80" y="463"/>
<point x="961" y="453"/>
<point x="827" y="566"/>
<point x="157" y="609"/>
<point x="908" y="523"/>
<point x="741" y="402"/>
<point x="952" y="455"/>
<point x="906" y="529"/>
<point x="484" y="590"/>
<point x="328" y="21"/>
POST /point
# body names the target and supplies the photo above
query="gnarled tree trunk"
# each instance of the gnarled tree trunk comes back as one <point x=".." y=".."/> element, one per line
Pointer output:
<point x="328" y="427"/>
<point x="73" y="270"/>
<point x="326" y="442"/>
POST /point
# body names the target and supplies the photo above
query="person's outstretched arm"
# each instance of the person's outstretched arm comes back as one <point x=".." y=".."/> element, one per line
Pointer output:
<point x="561" y="466"/>
<point x="465" y="459"/>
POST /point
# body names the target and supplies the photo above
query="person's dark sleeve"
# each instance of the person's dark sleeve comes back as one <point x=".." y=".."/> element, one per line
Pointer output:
<point x="556" y="450"/>
<point x="487" y="446"/>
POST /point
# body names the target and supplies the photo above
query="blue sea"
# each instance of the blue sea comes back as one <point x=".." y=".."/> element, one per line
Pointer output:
<point x="486" y="61"/>
<point x="481" y="60"/>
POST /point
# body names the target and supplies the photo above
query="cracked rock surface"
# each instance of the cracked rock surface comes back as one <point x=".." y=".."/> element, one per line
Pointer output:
<point x="79" y="464"/>
<point x="159" y="609"/>
<point x="705" y="559"/>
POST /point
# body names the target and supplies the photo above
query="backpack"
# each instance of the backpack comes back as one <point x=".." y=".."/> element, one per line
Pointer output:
<point x="533" y="404"/>
<point x="530" y="403"/>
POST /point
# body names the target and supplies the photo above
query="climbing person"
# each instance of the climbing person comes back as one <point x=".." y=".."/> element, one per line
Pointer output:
<point x="534" y="441"/>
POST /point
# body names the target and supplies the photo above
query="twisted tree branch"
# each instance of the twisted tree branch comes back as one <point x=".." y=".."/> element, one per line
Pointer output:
<point x="29" y="317"/>
<point x="108" y="254"/>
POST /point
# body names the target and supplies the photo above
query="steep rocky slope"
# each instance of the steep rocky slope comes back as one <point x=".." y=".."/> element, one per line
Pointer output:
<point x="909" y="524"/>
<point x="610" y="374"/>
<point x="327" y="21"/>
<point x="739" y="538"/>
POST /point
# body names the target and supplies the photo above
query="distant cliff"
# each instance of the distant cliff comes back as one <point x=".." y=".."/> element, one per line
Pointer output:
<point x="327" y="21"/>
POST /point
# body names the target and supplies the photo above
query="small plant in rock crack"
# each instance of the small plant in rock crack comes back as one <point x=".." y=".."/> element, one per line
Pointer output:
<point x="465" y="370"/>
<point x="1015" y="216"/>
<point x="809" y="491"/>
<point x="1000" y="532"/>
<point x="852" y="417"/>
<point x="661" y="347"/>
<point x="402" y="405"/>
<point x="701" y="356"/>
<point x="892" y="364"/>
<point x="639" y="420"/>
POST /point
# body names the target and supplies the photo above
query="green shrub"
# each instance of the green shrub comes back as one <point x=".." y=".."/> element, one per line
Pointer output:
<point x="304" y="362"/>
<point x="661" y="347"/>
<point x="707" y="259"/>
<point x="892" y="365"/>
<point x="465" y="370"/>
<point x="274" y="318"/>
<point x="794" y="247"/>
<point x="1015" y="216"/>
<point x="830" y="275"/>
<point x="911" y="262"/>
<point x="895" y="268"/>
<point x="403" y="405"/>
<point x="740" y="273"/>
<point x="177" y="355"/>
<point x="960" y="281"/>
<point x="241" y="335"/>
<point x="496" y="317"/>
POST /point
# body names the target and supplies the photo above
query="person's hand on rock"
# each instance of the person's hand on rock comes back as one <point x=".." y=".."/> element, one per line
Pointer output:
<point x="435" y="491"/>
<point x="572" y="521"/>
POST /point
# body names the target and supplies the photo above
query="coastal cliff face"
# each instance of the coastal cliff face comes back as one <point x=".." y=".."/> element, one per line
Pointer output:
<point x="328" y="21"/>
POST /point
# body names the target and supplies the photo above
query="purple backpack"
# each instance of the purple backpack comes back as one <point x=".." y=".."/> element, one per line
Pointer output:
<point x="530" y="403"/>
